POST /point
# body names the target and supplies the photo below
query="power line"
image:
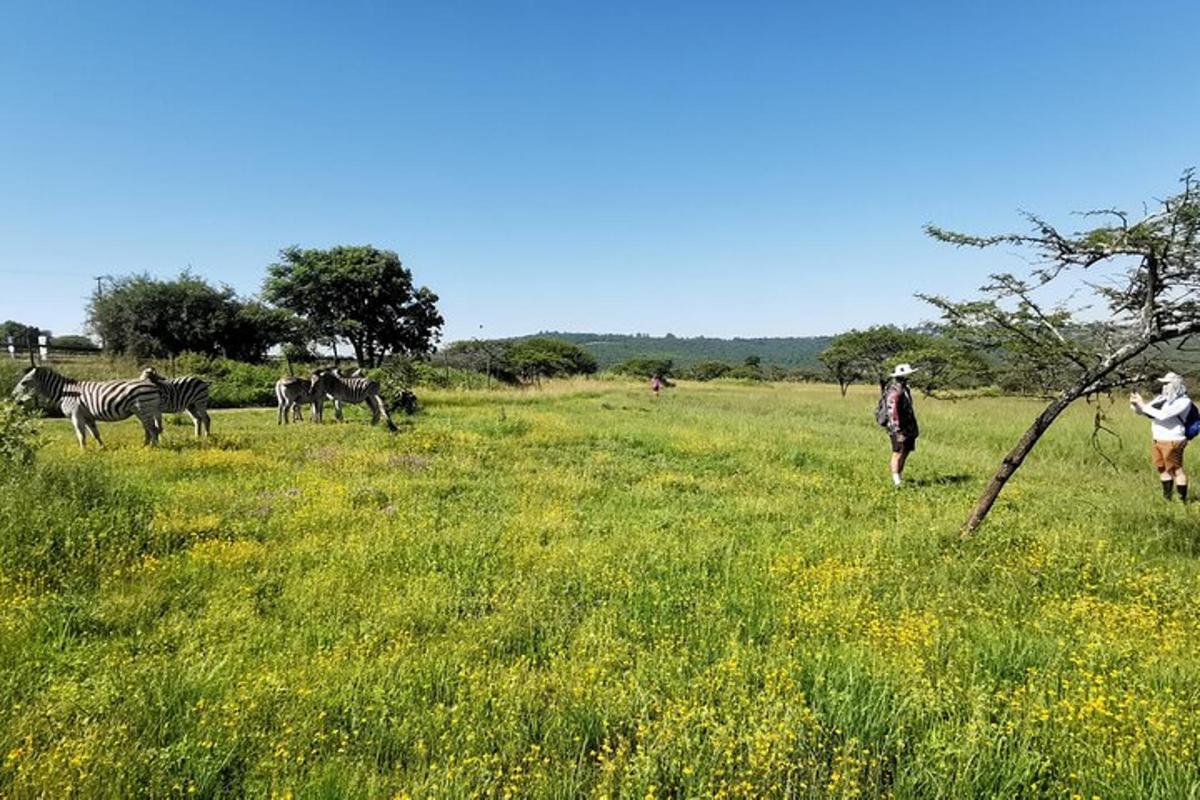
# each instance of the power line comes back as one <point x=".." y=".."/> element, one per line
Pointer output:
<point x="51" y="273"/>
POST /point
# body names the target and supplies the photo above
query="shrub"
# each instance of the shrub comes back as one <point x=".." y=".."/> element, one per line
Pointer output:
<point x="232" y="383"/>
<point x="706" y="370"/>
<point x="645" y="367"/>
<point x="444" y="377"/>
<point x="73" y="342"/>
<point x="746" y="372"/>
<point x="545" y="357"/>
<point x="18" y="437"/>
<point x="11" y="371"/>
<point x="395" y="376"/>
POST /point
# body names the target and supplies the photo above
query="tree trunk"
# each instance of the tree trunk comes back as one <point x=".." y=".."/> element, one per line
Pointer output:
<point x="1016" y="456"/>
<point x="1090" y="382"/>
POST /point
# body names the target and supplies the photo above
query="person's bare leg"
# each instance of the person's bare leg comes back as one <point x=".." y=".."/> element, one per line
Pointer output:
<point x="1181" y="484"/>
<point x="898" y="460"/>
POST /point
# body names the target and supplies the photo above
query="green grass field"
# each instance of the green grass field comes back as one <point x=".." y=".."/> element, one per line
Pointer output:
<point x="583" y="592"/>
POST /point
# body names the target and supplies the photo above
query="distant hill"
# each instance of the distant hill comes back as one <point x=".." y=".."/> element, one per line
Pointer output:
<point x="613" y="348"/>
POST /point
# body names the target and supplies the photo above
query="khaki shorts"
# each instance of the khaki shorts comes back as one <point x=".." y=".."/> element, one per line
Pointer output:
<point x="1167" y="455"/>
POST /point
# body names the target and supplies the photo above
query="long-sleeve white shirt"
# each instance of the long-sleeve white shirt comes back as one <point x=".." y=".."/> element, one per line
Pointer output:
<point x="1166" y="421"/>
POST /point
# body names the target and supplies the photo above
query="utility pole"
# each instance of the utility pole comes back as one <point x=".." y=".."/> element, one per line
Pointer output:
<point x="487" y="352"/>
<point x="100" y="279"/>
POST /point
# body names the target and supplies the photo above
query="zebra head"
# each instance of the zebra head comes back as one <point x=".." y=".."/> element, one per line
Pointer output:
<point x="151" y="374"/>
<point x="408" y="402"/>
<point x="31" y="385"/>
<point x="322" y="379"/>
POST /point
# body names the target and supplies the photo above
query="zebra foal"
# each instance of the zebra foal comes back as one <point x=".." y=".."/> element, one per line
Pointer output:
<point x="87" y="402"/>
<point x="349" y="389"/>
<point x="177" y="395"/>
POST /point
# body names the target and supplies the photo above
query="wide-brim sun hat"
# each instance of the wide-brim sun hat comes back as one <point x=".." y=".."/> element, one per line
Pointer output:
<point x="1170" y="377"/>
<point x="903" y="370"/>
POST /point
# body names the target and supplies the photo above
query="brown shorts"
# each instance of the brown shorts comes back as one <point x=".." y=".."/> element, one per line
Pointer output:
<point x="903" y="444"/>
<point x="1167" y="455"/>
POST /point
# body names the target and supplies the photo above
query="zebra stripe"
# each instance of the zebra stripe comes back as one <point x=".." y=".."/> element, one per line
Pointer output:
<point x="291" y="393"/>
<point x="187" y="394"/>
<point x="352" y="389"/>
<point x="87" y="402"/>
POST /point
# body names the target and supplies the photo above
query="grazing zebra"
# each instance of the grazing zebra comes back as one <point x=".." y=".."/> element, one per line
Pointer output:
<point x="176" y="395"/>
<point x="408" y="402"/>
<point x="292" y="393"/>
<point x="348" y="389"/>
<point x="87" y="402"/>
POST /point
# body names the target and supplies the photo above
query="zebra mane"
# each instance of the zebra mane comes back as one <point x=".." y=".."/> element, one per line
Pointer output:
<point x="39" y="371"/>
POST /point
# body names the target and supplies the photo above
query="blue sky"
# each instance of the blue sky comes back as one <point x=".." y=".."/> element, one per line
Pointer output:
<point x="695" y="168"/>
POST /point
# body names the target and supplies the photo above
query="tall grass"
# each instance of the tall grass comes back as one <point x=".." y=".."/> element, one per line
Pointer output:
<point x="587" y="592"/>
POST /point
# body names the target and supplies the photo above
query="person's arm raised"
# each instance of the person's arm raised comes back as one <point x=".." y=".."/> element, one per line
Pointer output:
<point x="1172" y="409"/>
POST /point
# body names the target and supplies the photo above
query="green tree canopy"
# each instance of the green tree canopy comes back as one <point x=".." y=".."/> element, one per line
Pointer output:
<point x="645" y="367"/>
<point x="19" y="331"/>
<point x="486" y="356"/>
<point x="867" y="355"/>
<point x="147" y="317"/>
<point x="544" y="357"/>
<point x="358" y="293"/>
<point x="706" y="370"/>
<point x="945" y="364"/>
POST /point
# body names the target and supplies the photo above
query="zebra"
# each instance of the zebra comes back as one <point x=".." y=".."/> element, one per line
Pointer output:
<point x="408" y="402"/>
<point x="348" y="389"/>
<point x="292" y="393"/>
<point x="87" y="402"/>
<point x="176" y="395"/>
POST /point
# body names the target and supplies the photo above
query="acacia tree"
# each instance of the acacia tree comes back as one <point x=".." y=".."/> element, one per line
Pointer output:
<point x="946" y="363"/>
<point x="1150" y="287"/>
<point x="841" y="360"/>
<point x="860" y="355"/>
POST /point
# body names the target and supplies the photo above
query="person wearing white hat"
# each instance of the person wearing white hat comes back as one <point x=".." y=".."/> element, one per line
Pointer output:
<point x="901" y="422"/>
<point x="1168" y="428"/>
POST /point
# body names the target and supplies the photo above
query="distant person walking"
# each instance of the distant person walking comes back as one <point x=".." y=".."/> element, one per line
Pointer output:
<point x="656" y="384"/>
<point x="898" y="416"/>
<point x="1169" y="415"/>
